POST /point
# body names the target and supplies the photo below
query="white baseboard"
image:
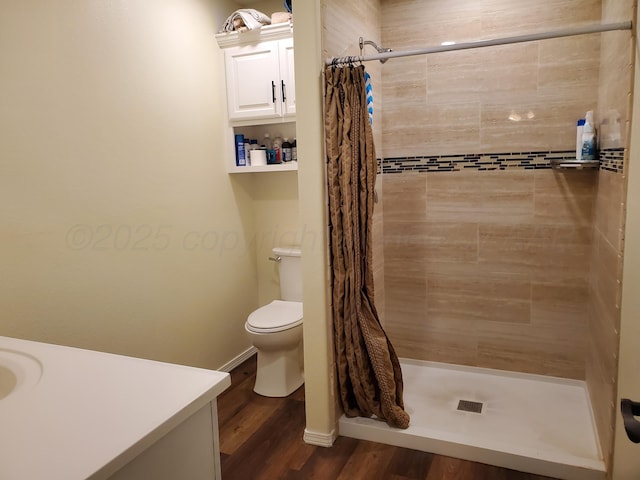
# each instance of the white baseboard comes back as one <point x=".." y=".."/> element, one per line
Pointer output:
<point x="248" y="353"/>
<point x="319" y="439"/>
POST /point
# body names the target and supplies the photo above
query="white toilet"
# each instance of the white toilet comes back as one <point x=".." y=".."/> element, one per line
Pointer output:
<point x="276" y="331"/>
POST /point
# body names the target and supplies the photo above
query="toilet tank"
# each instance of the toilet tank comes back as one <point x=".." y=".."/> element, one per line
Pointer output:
<point x="290" y="270"/>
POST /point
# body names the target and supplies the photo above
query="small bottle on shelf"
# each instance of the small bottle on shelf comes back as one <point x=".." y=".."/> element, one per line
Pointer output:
<point x="294" y="151"/>
<point x="286" y="151"/>
<point x="247" y="147"/>
<point x="589" y="151"/>
<point x="266" y="142"/>
<point x="241" y="159"/>
<point x="277" y="146"/>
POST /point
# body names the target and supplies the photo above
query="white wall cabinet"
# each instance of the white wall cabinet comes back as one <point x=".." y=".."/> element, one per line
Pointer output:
<point x="260" y="75"/>
<point x="260" y="88"/>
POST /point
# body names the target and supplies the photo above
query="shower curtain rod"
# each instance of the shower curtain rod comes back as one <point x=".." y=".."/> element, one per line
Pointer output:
<point x="567" y="32"/>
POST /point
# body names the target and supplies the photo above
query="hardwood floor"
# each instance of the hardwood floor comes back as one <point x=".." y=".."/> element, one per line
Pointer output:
<point x="261" y="438"/>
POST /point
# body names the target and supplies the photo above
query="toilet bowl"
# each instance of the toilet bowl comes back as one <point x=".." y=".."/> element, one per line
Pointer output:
<point x="275" y="330"/>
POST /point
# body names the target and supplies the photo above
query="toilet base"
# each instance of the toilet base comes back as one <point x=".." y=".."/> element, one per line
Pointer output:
<point x="278" y="373"/>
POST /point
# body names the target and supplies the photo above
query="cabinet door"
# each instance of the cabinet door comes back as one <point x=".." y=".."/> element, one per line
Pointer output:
<point x="253" y="81"/>
<point x="288" y="79"/>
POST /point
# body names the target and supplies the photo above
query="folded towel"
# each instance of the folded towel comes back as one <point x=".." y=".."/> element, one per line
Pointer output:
<point x="280" y="17"/>
<point x="245" y="19"/>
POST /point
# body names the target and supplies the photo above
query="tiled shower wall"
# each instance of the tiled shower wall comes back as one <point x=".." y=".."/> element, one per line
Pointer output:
<point x="343" y="23"/>
<point x="489" y="267"/>
<point x="512" y="98"/>
<point x="606" y="258"/>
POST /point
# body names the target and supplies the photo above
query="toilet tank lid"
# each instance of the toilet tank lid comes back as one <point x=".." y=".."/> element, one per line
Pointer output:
<point x="287" y="251"/>
<point x="278" y="313"/>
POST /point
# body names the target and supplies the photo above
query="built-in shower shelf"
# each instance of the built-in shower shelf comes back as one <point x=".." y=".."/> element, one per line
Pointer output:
<point x="574" y="164"/>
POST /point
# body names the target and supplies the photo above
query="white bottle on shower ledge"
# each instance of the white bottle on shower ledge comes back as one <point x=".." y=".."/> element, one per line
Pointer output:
<point x="579" y="132"/>
<point x="589" y="138"/>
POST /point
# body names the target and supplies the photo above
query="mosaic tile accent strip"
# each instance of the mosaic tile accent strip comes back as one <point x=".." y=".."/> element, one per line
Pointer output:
<point x="476" y="161"/>
<point x="612" y="159"/>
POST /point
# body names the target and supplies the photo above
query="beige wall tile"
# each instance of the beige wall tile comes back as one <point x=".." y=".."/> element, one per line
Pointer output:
<point x="485" y="197"/>
<point x="609" y="207"/>
<point x="604" y="286"/>
<point x="405" y="252"/>
<point x="405" y="83"/>
<point x="430" y="129"/>
<point x="405" y="197"/>
<point x="479" y="267"/>
<point x="533" y="349"/>
<point x="451" y="242"/>
<point x="485" y="298"/>
<point x="448" y="341"/>
<point x="617" y="10"/>
<point x="454" y="77"/>
<point x="561" y="304"/>
<point x="601" y="371"/>
<point x="510" y="70"/>
<point x="344" y="22"/>
<point x="569" y="69"/>
<point x="555" y="80"/>
<point x="603" y="400"/>
<point x="529" y="124"/>
<point x="615" y="77"/>
<point x="406" y="294"/>
<point x="563" y="197"/>
<point x="504" y="17"/>
<point x="546" y="252"/>
<point x="411" y="23"/>
<point x="605" y="280"/>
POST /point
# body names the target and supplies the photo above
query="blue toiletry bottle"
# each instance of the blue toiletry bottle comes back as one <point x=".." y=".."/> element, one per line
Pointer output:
<point x="241" y="155"/>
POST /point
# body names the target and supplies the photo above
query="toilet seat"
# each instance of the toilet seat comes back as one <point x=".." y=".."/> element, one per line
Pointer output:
<point x="277" y="316"/>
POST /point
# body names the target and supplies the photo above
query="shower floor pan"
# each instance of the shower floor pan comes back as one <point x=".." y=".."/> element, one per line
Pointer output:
<point x="530" y="423"/>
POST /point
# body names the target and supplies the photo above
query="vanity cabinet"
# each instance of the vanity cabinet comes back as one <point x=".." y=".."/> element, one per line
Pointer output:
<point x="260" y="75"/>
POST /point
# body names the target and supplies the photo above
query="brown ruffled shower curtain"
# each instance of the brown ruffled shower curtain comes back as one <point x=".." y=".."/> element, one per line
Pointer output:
<point x="369" y="375"/>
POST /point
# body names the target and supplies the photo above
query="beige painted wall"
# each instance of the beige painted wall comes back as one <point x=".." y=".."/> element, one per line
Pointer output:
<point x="276" y="220"/>
<point x="274" y="196"/>
<point x="121" y="230"/>
<point x="318" y="343"/>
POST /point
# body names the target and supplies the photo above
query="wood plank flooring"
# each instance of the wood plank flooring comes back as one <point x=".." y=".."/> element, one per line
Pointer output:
<point x="261" y="438"/>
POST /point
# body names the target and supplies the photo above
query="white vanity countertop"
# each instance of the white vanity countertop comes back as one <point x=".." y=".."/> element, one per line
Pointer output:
<point x="90" y="413"/>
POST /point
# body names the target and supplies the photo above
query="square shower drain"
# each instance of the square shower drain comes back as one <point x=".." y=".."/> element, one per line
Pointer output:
<point x="469" y="406"/>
